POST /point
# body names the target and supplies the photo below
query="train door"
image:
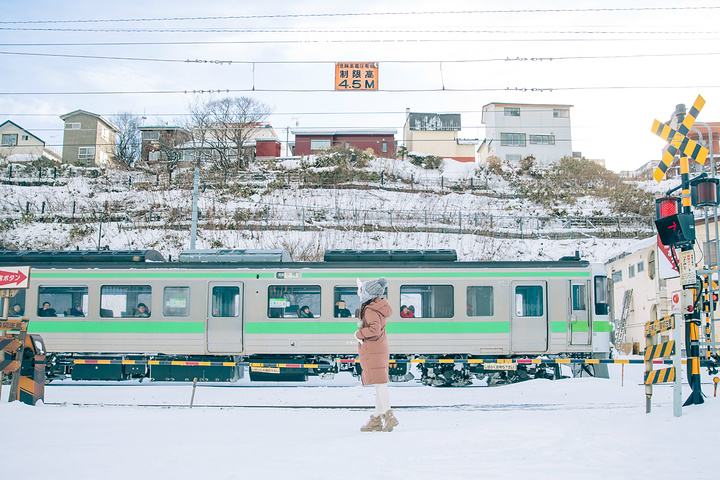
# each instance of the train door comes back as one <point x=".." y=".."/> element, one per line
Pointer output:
<point x="225" y="317"/>
<point x="529" y="321"/>
<point x="580" y="327"/>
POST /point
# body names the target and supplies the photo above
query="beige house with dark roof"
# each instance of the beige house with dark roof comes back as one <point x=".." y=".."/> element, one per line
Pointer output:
<point x="89" y="139"/>
<point x="19" y="145"/>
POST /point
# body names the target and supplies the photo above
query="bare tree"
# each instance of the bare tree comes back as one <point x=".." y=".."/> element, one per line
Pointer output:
<point x="223" y="127"/>
<point x="129" y="142"/>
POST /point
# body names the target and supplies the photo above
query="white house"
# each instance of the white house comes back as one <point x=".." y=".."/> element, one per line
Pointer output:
<point x="515" y="130"/>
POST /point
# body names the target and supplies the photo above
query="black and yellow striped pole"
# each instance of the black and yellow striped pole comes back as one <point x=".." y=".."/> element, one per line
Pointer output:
<point x="688" y="275"/>
<point x="692" y="314"/>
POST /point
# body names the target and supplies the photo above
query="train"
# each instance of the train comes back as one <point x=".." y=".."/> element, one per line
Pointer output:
<point x="208" y="314"/>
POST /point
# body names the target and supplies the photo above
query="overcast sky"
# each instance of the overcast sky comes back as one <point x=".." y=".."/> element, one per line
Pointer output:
<point x="621" y="64"/>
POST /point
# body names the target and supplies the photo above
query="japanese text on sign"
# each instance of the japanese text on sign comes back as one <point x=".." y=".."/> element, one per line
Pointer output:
<point x="667" y="323"/>
<point x="356" y="76"/>
<point x="16" y="277"/>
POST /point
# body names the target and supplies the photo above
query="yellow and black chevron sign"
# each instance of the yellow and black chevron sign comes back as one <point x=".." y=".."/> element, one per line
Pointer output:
<point x="9" y="344"/>
<point x="661" y="350"/>
<point x="9" y="366"/>
<point x="660" y="376"/>
<point x="679" y="141"/>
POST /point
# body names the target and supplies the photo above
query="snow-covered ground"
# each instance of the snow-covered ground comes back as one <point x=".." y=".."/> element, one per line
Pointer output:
<point x="584" y="428"/>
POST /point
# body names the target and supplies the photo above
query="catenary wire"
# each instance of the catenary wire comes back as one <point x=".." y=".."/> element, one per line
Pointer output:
<point x="399" y="90"/>
<point x="364" y="14"/>
<point x="327" y="62"/>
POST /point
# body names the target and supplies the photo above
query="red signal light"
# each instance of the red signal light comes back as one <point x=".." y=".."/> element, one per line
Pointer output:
<point x="666" y="206"/>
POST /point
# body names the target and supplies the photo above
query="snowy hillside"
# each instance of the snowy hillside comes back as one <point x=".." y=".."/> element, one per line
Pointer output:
<point x="485" y="213"/>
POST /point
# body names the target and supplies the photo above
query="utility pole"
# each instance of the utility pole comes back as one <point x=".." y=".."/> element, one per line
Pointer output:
<point x="193" y="227"/>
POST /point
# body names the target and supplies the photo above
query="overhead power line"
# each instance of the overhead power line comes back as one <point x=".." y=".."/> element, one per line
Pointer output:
<point x="369" y="14"/>
<point x="404" y="40"/>
<point x="326" y="62"/>
<point x="399" y="90"/>
<point x="358" y="30"/>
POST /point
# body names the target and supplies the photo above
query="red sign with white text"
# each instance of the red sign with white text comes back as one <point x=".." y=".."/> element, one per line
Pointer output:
<point x="14" y="277"/>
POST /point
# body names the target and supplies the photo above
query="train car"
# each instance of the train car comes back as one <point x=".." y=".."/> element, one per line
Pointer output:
<point x="121" y="314"/>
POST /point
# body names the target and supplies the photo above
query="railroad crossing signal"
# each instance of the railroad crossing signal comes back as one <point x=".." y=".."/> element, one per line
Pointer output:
<point x="679" y="141"/>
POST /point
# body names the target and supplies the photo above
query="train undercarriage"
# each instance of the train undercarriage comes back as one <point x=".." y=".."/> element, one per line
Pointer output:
<point x="432" y="370"/>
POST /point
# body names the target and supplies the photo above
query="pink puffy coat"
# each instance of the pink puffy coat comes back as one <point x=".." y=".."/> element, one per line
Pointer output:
<point x="374" y="351"/>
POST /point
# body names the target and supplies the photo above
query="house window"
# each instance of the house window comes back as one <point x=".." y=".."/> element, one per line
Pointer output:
<point x="154" y="156"/>
<point x="617" y="276"/>
<point x="104" y="133"/>
<point x="651" y="265"/>
<point x="151" y="136"/>
<point x="513" y="157"/>
<point x="542" y="139"/>
<point x="26" y="138"/>
<point x="319" y="144"/>
<point x="631" y="271"/>
<point x="561" y="113"/>
<point x="384" y="147"/>
<point x="86" y="153"/>
<point x="512" y="139"/>
<point x="72" y="126"/>
<point x="9" y="139"/>
<point x="512" y="111"/>
<point x="641" y="267"/>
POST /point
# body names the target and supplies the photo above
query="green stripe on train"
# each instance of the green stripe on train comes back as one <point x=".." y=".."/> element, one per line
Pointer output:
<point x="138" y="274"/>
<point x="291" y="328"/>
<point x="91" y="326"/>
<point x="580" y="327"/>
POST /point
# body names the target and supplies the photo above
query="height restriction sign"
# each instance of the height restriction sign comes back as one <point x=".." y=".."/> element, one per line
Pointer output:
<point x="356" y="76"/>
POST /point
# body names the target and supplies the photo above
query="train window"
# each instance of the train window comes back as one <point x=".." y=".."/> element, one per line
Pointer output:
<point x="176" y="301"/>
<point x="294" y="301"/>
<point x="601" y="296"/>
<point x="529" y="301"/>
<point x="346" y="302"/>
<point x="118" y="301"/>
<point x="427" y="301"/>
<point x="17" y="304"/>
<point x="62" y="301"/>
<point x="226" y="301"/>
<point x="579" y="301"/>
<point x="480" y="302"/>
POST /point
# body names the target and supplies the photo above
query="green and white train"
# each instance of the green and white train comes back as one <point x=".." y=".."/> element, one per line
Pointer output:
<point x="121" y="314"/>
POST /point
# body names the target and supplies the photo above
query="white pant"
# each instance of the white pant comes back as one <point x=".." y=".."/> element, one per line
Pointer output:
<point x="382" y="398"/>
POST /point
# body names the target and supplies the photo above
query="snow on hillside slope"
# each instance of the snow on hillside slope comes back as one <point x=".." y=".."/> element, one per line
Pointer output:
<point x="124" y="210"/>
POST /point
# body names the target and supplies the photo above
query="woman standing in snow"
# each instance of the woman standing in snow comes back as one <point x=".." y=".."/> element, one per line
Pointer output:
<point x="375" y="352"/>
